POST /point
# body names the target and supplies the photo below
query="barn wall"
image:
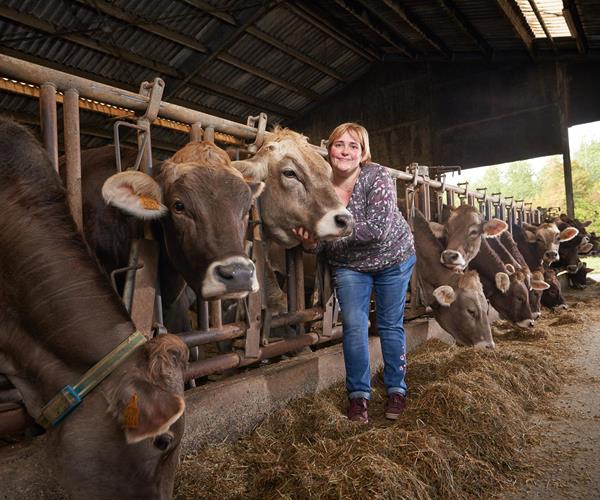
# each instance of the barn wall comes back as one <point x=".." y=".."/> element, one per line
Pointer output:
<point x="465" y="114"/>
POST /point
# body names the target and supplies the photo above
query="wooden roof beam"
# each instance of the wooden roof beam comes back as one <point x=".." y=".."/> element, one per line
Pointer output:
<point x="261" y="35"/>
<point x="463" y="23"/>
<point x="154" y="66"/>
<point x="517" y="21"/>
<point x="212" y="11"/>
<point x="540" y="19"/>
<point x="193" y="44"/>
<point x="145" y="24"/>
<point x="415" y="24"/>
<point x="296" y="54"/>
<point x="363" y="16"/>
<point x="574" y="23"/>
<point x="329" y="29"/>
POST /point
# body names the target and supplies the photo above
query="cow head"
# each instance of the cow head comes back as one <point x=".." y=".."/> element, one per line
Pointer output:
<point x="463" y="231"/>
<point x="547" y="238"/>
<point x="202" y="204"/>
<point x="298" y="190"/>
<point x="123" y="440"/>
<point x="511" y="297"/>
<point x="460" y="308"/>
<point x="536" y="290"/>
<point x="458" y="302"/>
<point x="552" y="298"/>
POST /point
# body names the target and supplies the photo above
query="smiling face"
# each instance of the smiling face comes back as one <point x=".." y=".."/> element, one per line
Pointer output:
<point x="345" y="154"/>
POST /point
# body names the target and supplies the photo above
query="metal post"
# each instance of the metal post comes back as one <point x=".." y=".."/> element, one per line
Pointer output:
<point x="48" y="121"/>
<point x="209" y="134"/>
<point x="73" y="155"/>
<point x="196" y="132"/>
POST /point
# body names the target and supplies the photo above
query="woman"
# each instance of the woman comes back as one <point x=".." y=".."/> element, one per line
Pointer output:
<point x="379" y="255"/>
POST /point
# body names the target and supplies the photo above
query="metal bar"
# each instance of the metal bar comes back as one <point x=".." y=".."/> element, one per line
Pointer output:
<point x="299" y="282"/>
<point x="196" y="132"/>
<point x="73" y="155"/>
<point x="229" y="331"/>
<point x="202" y="368"/>
<point x="209" y="134"/>
<point x="48" y="121"/>
<point x="142" y="308"/>
<point x="28" y="89"/>
<point x="29" y="72"/>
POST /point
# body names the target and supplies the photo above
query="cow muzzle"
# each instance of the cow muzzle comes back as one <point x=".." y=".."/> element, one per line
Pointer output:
<point x="550" y="256"/>
<point x="453" y="259"/>
<point x="334" y="224"/>
<point x="526" y="323"/>
<point x="230" y="278"/>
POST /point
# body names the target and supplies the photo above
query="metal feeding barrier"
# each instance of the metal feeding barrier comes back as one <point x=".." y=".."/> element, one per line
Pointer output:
<point x="251" y="336"/>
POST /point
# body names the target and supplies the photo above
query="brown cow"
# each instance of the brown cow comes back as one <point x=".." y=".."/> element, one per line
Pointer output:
<point x="201" y="205"/>
<point x="457" y="299"/>
<point x="462" y="232"/>
<point x="298" y="190"/>
<point x="58" y="318"/>
<point x="504" y="286"/>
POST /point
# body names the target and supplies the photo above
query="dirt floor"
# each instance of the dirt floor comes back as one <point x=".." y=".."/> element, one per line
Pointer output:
<point x="570" y="446"/>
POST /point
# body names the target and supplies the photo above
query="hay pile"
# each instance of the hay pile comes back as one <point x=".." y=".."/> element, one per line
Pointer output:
<point x="464" y="434"/>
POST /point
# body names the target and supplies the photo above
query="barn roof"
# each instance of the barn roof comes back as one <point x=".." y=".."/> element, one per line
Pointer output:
<point x="236" y="58"/>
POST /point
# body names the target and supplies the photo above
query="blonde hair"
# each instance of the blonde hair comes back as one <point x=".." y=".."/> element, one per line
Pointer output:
<point x="358" y="132"/>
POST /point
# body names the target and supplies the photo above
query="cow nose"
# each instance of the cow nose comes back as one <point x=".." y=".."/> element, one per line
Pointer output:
<point x="234" y="272"/>
<point x="343" y="220"/>
<point x="552" y="255"/>
<point x="450" y="256"/>
<point x="572" y="269"/>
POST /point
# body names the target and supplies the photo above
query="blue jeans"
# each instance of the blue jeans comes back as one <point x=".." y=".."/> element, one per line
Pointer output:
<point x="353" y="289"/>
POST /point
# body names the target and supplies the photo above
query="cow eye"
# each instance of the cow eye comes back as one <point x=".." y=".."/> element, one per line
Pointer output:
<point x="178" y="207"/>
<point x="289" y="173"/>
<point x="473" y="233"/>
<point x="162" y="441"/>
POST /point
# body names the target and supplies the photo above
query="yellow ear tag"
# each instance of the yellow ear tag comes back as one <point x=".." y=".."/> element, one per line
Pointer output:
<point x="131" y="414"/>
<point x="149" y="203"/>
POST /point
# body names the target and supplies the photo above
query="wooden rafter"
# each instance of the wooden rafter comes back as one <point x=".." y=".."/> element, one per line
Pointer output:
<point x="517" y="21"/>
<point x="330" y="30"/>
<point x="463" y="23"/>
<point x="368" y="20"/>
<point x="199" y="62"/>
<point x="192" y="43"/>
<point x="145" y="24"/>
<point x="296" y="54"/>
<point x="247" y="27"/>
<point x="416" y="25"/>
<point x="540" y="19"/>
<point x="575" y="27"/>
<point x="155" y="66"/>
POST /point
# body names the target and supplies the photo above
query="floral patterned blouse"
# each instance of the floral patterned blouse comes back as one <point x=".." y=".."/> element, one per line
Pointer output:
<point x="381" y="236"/>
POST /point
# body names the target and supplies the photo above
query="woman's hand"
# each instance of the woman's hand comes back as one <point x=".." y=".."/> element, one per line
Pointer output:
<point x="308" y="240"/>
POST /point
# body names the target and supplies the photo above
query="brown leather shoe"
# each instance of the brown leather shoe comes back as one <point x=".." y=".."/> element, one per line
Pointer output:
<point x="395" y="405"/>
<point x="358" y="410"/>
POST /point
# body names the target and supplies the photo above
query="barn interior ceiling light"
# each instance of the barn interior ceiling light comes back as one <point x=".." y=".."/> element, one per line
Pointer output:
<point x="551" y="14"/>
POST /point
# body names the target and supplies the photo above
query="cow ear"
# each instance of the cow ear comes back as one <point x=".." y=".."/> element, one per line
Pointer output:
<point x="255" y="168"/>
<point x="444" y="295"/>
<point x="588" y="270"/>
<point x="494" y="227"/>
<point x="135" y="193"/>
<point x="147" y="411"/>
<point x="502" y="282"/>
<point x="586" y="223"/>
<point x="568" y="234"/>
<point x="438" y="230"/>
<point x="531" y="237"/>
<point x="256" y="188"/>
<point x="539" y="285"/>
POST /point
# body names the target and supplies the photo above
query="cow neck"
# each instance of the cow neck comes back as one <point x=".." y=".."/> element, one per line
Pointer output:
<point x="429" y="250"/>
<point x="69" y="310"/>
<point x="487" y="262"/>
